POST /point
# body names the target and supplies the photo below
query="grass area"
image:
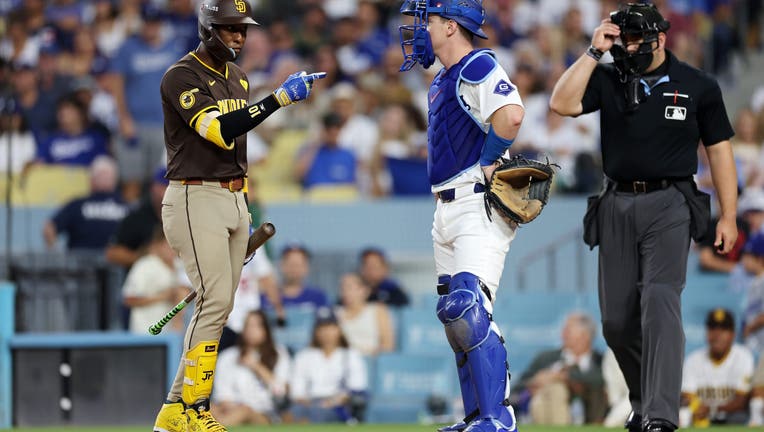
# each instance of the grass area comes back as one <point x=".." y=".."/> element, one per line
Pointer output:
<point x="365" y="428"/>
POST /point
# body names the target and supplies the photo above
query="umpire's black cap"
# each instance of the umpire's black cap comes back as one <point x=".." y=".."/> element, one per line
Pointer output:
<point x="720" y="318"/>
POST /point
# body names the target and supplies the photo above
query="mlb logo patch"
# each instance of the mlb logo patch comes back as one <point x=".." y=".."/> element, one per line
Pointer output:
<point x="676" y="113"/>
<point x="503" y="88"/>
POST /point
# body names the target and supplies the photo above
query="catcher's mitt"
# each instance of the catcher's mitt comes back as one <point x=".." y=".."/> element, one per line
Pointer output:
<point x="519" y="188"/>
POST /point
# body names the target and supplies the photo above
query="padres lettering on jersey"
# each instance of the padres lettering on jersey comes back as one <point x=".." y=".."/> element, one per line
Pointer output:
<point x="717" y="383"/>
<point x="193" y="96"/>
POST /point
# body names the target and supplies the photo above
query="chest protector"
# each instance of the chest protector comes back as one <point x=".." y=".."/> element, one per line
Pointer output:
<point x="454" y="137"/>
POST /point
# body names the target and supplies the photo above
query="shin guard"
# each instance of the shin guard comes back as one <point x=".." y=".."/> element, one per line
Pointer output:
<point x="199" y="371"/>
<point x="466" y="314"/>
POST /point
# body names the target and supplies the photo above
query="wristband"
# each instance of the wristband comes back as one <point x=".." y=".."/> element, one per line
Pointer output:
<point x="595" y="53"/>
<point x="493" y="147"/>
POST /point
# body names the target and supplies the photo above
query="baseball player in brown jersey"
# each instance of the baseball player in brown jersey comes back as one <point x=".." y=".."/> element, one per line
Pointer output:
<point x="204" y="213"/>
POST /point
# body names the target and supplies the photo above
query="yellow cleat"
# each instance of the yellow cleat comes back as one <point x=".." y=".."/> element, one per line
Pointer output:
<point x="202" y="421"/>
<point x="171" y="418"/>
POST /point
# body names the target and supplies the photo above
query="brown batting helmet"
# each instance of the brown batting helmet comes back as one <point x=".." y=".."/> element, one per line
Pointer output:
<point x="222" y="12"/>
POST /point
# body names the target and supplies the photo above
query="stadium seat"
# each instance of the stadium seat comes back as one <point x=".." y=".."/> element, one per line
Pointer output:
<point x="332" y="193"/>
<point x="420" y="332"/>
<point x="298" y="331"/>
<point x="274" y="180"/>
<point x="48" y="185"/>
<point x="403" y="382"/>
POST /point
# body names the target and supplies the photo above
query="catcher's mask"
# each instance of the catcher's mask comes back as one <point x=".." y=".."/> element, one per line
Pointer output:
<point x="467" y="13"/>
<point x="214" y="13"/>
<point x="640" y="22"/>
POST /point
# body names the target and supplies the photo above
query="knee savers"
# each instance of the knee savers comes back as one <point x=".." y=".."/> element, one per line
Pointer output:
<point x="462" y="312"/>
<point x="199" y="371"/>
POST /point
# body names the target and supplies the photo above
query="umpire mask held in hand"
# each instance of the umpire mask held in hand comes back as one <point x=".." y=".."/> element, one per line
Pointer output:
<point x="639" y="23"/>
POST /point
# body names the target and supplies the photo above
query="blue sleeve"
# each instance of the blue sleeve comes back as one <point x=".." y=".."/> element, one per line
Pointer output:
<point x="43" y="150"/>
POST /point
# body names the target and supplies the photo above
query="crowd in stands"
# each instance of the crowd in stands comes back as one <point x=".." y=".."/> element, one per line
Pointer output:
<point x="79" y="85"/>
<point x="82" y="80"/>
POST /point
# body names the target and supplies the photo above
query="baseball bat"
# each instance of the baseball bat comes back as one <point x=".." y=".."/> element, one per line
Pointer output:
<point x="265" y="231"/>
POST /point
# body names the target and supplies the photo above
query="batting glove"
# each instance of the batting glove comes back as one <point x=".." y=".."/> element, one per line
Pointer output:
<point x="296" y="87"/>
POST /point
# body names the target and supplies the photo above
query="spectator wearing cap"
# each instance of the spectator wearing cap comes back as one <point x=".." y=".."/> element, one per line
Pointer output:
<point x="374" y="270"/>
<point x="98" y="103"/>
<point x="75" y="142"/>
<point x="327" y="376"/>
<point x="136" y="72"/>
<point x="89" y="222"/>
<point x="135" y="230"/>
<point x="325" y="162"/>
<point x="716" y="379"/>
<point x="358" y="132"/>
<point x="66" y="17"/>
<point x="753" y="311"/>
<point x="37" y="109"/>
<point x="295" y="291"/>
<point x="183" y="22"/>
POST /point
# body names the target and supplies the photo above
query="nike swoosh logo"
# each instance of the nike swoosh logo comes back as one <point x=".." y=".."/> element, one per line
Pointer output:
<point x="211" y="83"/>
<point x="435" y="96"/>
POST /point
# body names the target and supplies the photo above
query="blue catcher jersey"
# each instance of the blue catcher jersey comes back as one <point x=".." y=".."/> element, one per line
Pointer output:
<point x="461" y="100"/>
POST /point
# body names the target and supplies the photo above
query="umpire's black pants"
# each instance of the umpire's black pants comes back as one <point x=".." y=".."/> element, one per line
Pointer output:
<point x="644" y="242"/>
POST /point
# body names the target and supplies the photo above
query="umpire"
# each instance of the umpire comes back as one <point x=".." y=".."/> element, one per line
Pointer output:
<point x="654" y="110"/>
<point x="204" y="214"/>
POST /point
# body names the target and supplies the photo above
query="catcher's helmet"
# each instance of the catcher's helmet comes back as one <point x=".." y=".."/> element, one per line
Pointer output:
<point x="467" y="13"/>
<point x="222" y="12"/>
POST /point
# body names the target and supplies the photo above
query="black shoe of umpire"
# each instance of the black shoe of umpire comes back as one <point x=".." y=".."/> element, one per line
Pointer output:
<point x="633" y="423"/>
<point x="660" y="425"/>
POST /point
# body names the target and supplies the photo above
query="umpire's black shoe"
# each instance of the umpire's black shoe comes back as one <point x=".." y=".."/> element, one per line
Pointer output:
<point x="660" y="425"/>
<point x="633" y="423"/>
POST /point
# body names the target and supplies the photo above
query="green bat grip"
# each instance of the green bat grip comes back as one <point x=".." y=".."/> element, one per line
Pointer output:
<point x="157" y="328"/>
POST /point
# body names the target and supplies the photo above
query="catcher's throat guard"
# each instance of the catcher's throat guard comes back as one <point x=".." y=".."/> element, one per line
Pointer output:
<point x="519" y="188"/>
<point x="415" y="39"/>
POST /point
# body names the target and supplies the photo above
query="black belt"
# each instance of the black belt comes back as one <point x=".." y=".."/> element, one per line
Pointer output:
<point x="449" y="195"/>
<point x="639" y="187"/>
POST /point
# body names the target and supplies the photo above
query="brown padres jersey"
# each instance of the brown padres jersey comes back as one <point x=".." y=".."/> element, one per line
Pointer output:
<point x="190" y="88"/>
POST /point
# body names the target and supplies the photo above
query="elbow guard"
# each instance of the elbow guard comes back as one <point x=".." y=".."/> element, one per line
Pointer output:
<point x="493" y="148"/>
<point x="208" y="127"/>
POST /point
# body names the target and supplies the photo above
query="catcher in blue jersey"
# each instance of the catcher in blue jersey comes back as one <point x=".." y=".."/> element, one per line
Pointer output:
<point x="474" y="115"/>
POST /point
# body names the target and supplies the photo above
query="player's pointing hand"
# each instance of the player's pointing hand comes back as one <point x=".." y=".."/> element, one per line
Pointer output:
<point x="296" y="87"/>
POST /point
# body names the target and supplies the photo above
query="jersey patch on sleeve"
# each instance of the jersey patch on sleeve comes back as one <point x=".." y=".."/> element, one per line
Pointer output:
<point x="503" y="88"/>
<point x="187" y="98"/>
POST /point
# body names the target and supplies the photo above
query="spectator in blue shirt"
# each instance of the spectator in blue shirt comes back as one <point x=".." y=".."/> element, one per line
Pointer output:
<point x="136" y="72"/>
<point x="295" y="290"/>
<point x="325" y="163"/>
<point x="89" y="222"/>
<point x="183" y="22"/>
<point x="75" y="142"/>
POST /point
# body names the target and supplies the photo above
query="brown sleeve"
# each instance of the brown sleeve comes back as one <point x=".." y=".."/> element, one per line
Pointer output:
<point x="183" y="89"/>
